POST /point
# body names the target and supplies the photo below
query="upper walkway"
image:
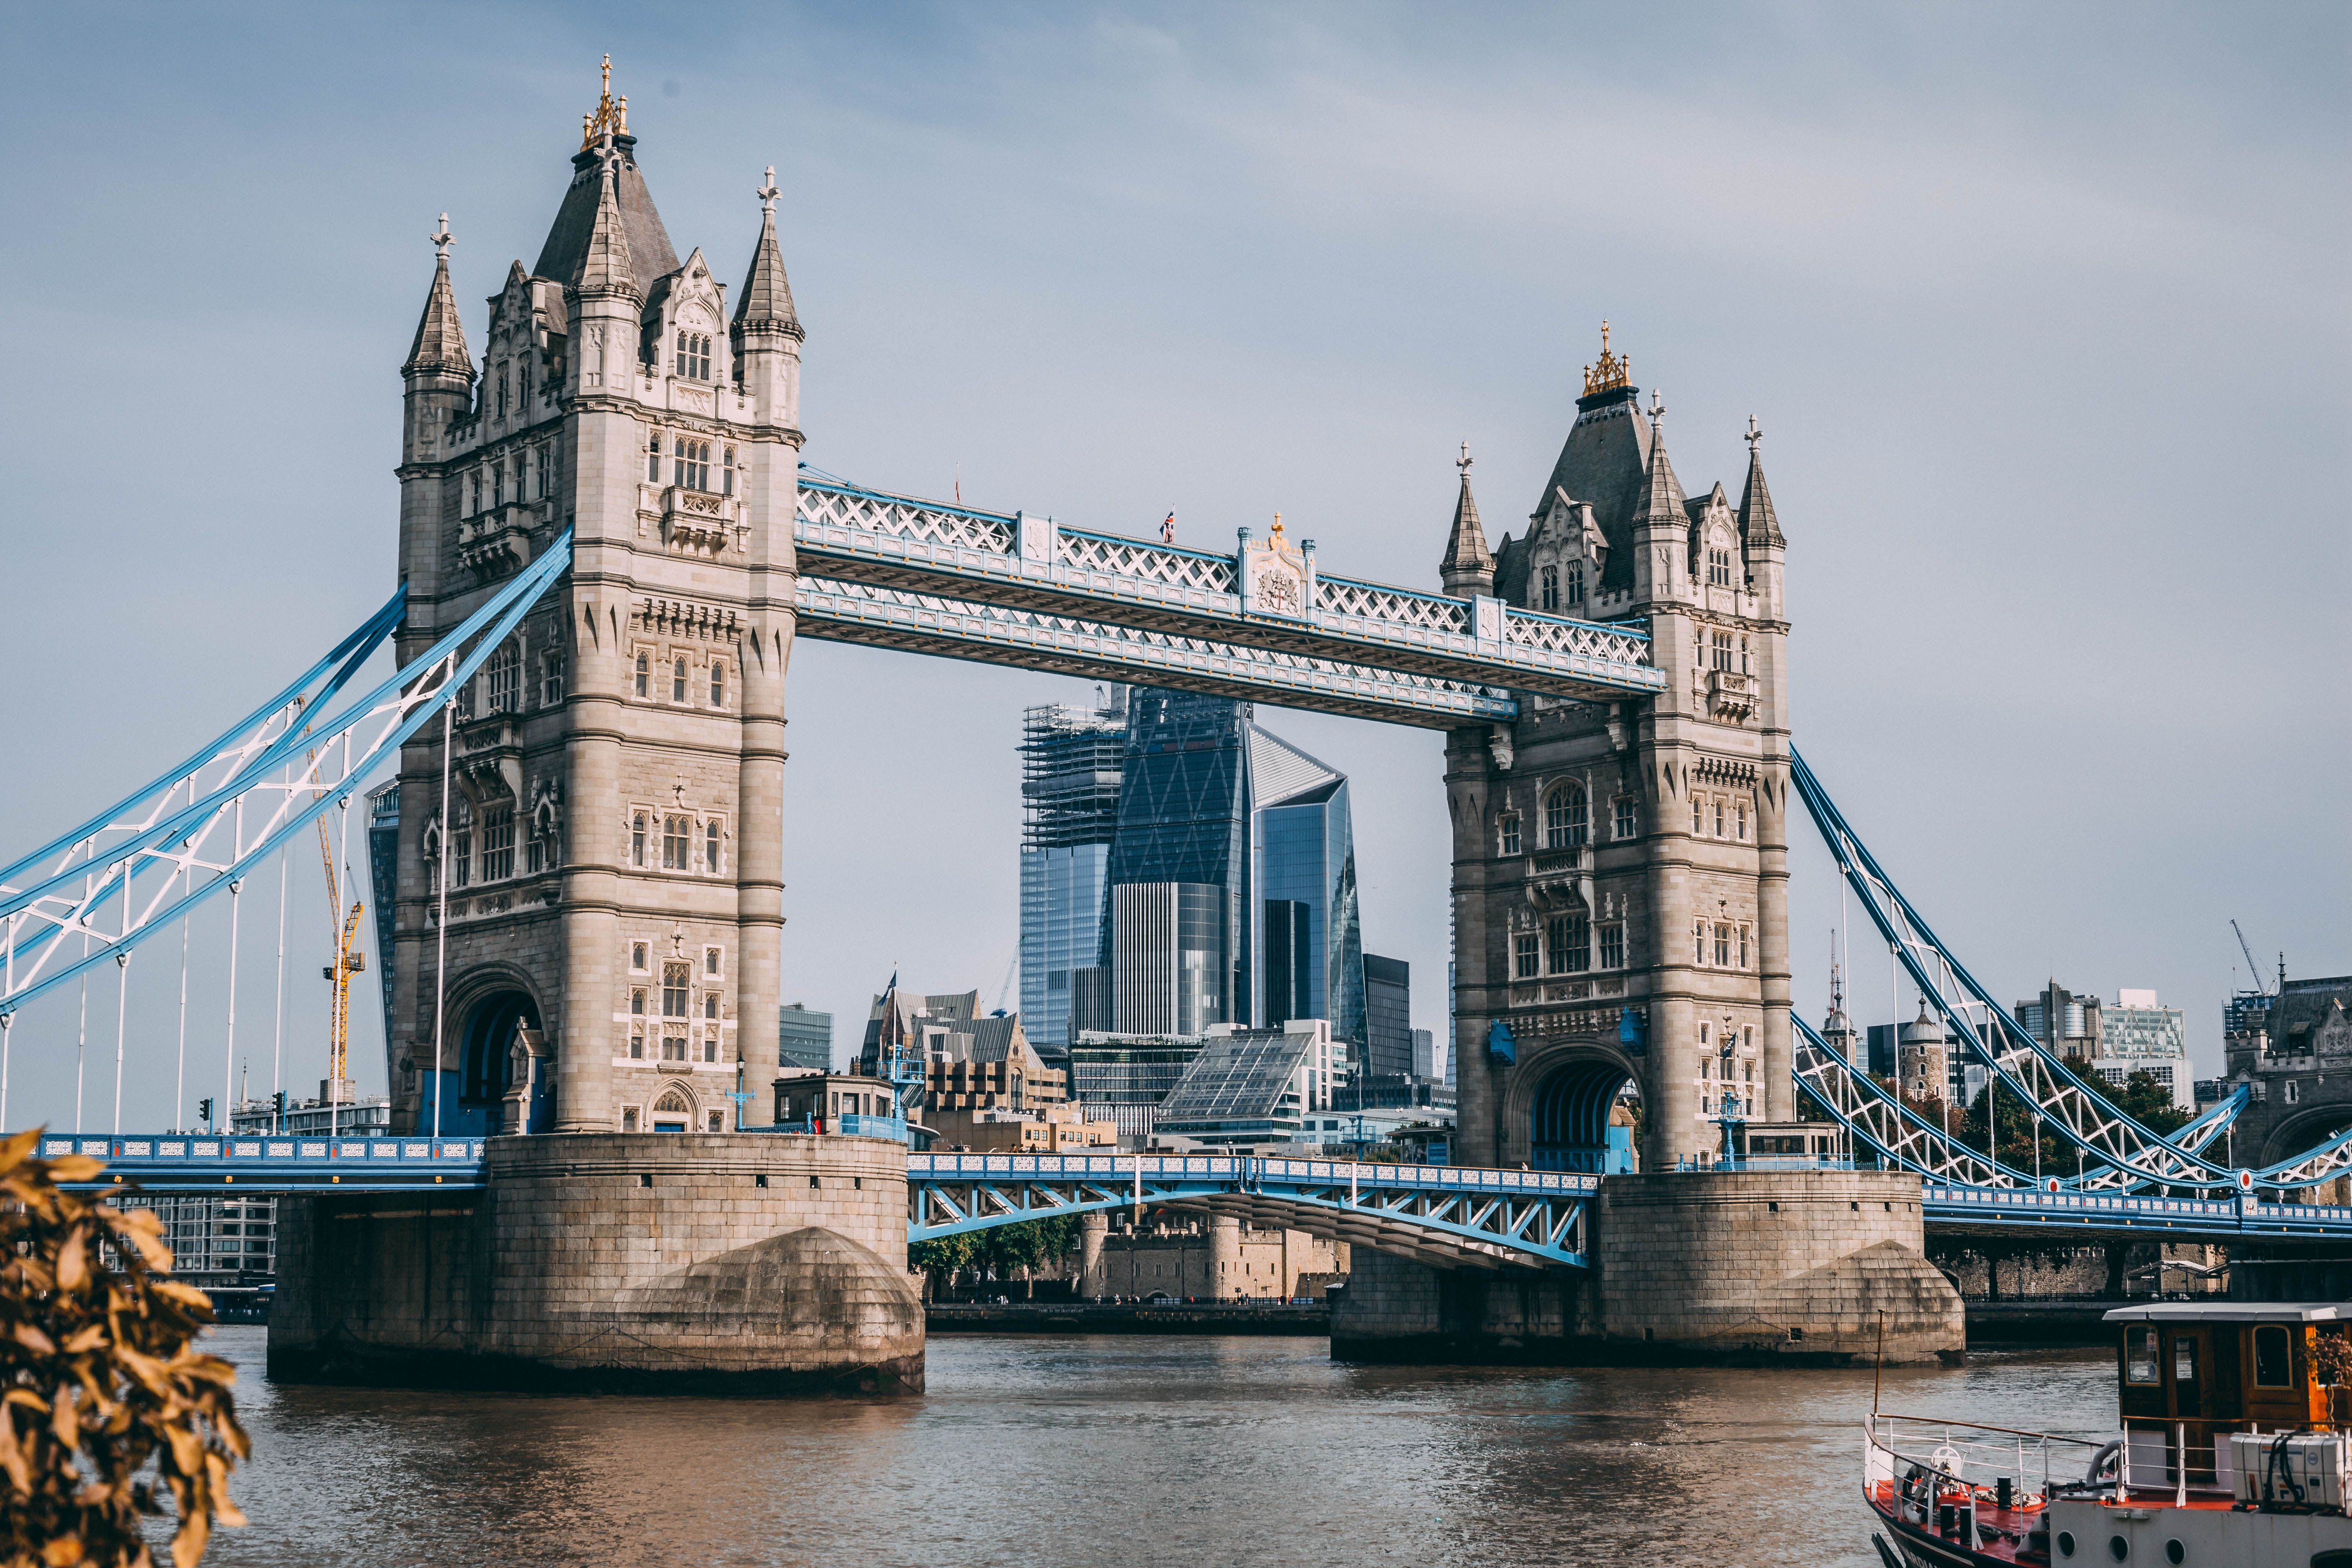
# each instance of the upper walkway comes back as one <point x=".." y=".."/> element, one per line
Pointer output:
<point x="1263" y="622"/>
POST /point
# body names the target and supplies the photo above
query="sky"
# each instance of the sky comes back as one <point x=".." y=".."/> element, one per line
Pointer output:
<point x="2042" y="310"/>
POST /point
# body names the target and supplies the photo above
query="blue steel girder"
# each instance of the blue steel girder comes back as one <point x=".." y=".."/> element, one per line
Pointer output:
<point x="839" y="611"/>
<point x="1951" y="1207"/>
<point x="197" y="832"/>
<point x="849" y="533"/>
<point x="231" y="1165"/>
<point x="1448" y="1216"/>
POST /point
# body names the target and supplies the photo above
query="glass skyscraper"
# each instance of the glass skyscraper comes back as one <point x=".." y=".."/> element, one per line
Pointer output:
<point x="1176" y="944"/>
<point x="1309" y="937"/>
<point x="1181" y="867"/>
<point x="1071" y="759"/>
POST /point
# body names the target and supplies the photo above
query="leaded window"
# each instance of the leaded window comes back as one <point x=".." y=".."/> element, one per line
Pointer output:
<point x="692" y="357"/>
<point x="1722" y="650"/>
<point x="1718" y="568"/>
<point x="678" y="680"/>
<point x="1722" y="946"/>
<point x="1527" y="956"/>
<point x="1510" y="833"/>
<point x="1613" y="944"/>
<point x="675" y="832"/>
<point x="637" y="851"/>
<point x="1576" y="582"/>
<point x="1625" y="823"/>
<point x="551" y="677"/>
<point x="502" y="676"/>
<point x="653" y="459"/>
<point x="1551" y="588"/>
<point x="718" y="683"/>
<point x="690" y="464"/>
<point x="644" y="673"/>
<point x="710" y="847"/>
<point x="461" y="846"/>
<point x="498" y="841"/>
<point x="1565" y="825"/>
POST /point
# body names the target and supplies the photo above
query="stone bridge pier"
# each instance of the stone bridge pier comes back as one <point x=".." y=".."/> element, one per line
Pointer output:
<point x="665" y="1263"/>
<point x="1688" y="1266"/>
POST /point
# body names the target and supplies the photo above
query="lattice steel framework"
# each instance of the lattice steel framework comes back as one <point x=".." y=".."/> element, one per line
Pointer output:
<point x="1193" y="602"/>
<point x="2126" y="1154"/>
<point x="137" y="868"/>
<point x="1451" y="1217"/>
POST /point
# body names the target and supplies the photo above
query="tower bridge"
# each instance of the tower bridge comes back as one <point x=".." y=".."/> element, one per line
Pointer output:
<point x="608" y="545"/>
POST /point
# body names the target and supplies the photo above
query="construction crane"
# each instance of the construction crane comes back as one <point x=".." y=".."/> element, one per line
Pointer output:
<point x="344" y="929"/>
<point x="2253" y="969"/>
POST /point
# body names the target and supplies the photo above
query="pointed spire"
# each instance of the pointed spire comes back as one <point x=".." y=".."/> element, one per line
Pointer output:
<point x="604" y="265"/>
<point x="1469" y="565"/>
<point x="1758" y="523"/>
<point x="1662" y="501"/>
<point x="766" y="303"/>
<point x="440" y="345"/>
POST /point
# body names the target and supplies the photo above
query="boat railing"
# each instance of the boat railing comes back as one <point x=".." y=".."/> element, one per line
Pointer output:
<point x="1935" y="1457"/>
<point x="2153" y="1451"/>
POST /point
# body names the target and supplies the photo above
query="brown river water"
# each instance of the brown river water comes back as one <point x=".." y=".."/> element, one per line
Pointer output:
<point x="1115" y="1452"/>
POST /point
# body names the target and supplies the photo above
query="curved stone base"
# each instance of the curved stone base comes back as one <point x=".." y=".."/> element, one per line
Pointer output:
<point x="1733" y="1269"/>
<point x="675" y="1263"/>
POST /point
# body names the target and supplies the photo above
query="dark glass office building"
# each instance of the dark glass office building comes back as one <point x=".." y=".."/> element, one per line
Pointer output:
<point x="1175" y="941"/>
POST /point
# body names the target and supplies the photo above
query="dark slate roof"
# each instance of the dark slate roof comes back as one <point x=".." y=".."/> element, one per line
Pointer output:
<point x="650" y="252"/>
<point x="767" y="299"/>
<point x="440" y="345"/>
<point x="1758" y="523"/>
<point x="1605" y="462"/>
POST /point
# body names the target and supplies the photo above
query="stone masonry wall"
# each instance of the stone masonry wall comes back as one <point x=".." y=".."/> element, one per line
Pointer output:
<point x="657" y="1261"/>
<point x="1740" y="1267"/>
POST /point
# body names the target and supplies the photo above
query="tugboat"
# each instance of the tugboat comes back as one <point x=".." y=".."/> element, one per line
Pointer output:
<point x="2236" y="1419"/>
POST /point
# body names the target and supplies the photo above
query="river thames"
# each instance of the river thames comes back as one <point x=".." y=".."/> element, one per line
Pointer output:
<point x="1130" y="1451"/>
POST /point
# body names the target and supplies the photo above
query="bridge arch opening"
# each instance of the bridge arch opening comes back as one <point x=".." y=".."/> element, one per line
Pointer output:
<point x="1570" y="1120"/>
<point x="486" y="1058"/>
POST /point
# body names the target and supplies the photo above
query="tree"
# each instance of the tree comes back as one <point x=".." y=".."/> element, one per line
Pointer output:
<point x="98" y="1378"/>
<point x="940" y="1256"/>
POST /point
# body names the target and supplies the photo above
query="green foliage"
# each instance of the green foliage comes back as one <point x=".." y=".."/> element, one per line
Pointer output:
<point x="97" y="1379"/>
<point x="2141" y="1097"/>
<point x="1001" y="1249"/>
<point x="2147" y="1102"/>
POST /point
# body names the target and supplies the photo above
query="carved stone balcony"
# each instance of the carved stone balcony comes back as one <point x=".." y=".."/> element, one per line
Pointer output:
<point x="1731" y="692"/>
<point x="1560" y="876"/>
<point x="497" y="543"/>
<point x="699" y="521"/>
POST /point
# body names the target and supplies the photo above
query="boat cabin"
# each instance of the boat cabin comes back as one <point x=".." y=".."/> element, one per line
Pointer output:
<point x="2235" y="1366"/>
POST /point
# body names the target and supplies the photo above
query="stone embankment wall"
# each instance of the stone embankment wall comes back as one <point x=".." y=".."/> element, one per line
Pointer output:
<point x="1731" y="1267"/>
<point x="665" y="1262"/>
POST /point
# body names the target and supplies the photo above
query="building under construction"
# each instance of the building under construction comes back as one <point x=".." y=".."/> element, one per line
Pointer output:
<point x="1071" y="757"/>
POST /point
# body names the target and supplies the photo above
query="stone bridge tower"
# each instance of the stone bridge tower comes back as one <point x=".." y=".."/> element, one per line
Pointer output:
<point x="1621" y="870"/>
<point x="615" y="827"/>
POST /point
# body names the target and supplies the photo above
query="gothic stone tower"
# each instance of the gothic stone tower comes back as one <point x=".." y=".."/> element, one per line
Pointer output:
<point x="1621" y="870"/>
<point x="614" y="831"/>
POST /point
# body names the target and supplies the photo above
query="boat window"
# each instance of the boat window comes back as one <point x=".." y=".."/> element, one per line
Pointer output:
<point x="2270" y="1360"/>
<point x="2184" y="1360"/>
<point x="2141" y="1359"/>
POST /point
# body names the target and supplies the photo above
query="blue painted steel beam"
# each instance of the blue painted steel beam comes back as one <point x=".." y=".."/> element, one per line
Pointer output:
<point x="849" y="533"/>
<point x="838" y="611"/>
<point x="236" y="1165"/>
<point x="2179" y="1218"/>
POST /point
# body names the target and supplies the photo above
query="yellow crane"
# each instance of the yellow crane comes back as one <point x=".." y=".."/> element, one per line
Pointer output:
<point x="349" y="960"/>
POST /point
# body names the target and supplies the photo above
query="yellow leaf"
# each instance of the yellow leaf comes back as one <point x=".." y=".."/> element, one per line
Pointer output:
<point x="61" y="1421"/>
<point x="75" y="1168"/>
<point x="33" y="1340"/>
<point x="25" y="1397"/>
<point x="73" y="1261"/>
<point x="188" y="1545"/>
<point x="12" y="1457"/>
<point x="87" y="1339"/>
<point x="16" y="1146"/>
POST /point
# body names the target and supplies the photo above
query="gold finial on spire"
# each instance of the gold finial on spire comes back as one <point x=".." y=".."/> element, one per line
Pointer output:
<point x="1277" y="525"/>
<point x="611" y="113"/>
<point x="1614" y="370"/>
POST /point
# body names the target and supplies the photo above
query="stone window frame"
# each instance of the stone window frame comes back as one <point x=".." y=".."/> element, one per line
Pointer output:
<point x="714" y="961"/>
<point x="718" y="684"/>
<point x="642" y="819"/>
<point x="1526" y="955"/>
<point x="713" y="857"/>
<point x="633" y="1118"/>
<point x="1506" y="825"/>
<point x="1611" y="939"/>
<point x="641" y="957"/>
<point x="1624" y="817"/>
<point x="680" y="669"/>
<point x="1567" y="816"/>
<point x="1548" y="593"/>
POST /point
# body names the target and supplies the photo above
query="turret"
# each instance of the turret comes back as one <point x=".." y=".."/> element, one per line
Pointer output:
<point x="1468" y="568"/>
<point x="1661" y="523"/>
<point x="1759" y="529"/>
<point x="767" y="332"/>
<point x="605" y="295"/>
<point x="438" y="373"/>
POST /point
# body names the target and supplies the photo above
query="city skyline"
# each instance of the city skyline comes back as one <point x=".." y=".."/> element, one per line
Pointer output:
<point x="2067" y="256"/>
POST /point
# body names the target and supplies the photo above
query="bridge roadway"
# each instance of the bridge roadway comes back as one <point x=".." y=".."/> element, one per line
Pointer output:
<point x="1450" y="1216"/>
